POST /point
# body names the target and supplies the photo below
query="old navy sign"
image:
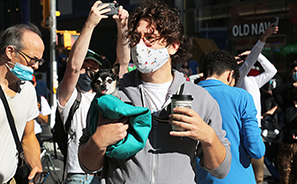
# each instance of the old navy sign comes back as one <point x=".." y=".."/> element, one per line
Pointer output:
<point x="250" y="29"/>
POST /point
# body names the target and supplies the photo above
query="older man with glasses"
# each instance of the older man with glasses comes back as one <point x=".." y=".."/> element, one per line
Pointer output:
<point x="21" y="50"/>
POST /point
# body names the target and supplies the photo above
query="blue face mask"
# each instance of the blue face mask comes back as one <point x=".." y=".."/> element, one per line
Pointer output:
<point x="84" y="82"/>
<point x="22" y="72"/>
<point x="294" y="76"/>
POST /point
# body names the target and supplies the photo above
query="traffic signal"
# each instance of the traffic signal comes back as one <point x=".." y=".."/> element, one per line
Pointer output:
<point x="67" y="38"/>
<point x="45" y="13"/>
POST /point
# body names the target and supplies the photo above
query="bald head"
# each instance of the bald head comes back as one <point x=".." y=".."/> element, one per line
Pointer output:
<point x="32" y="41"/>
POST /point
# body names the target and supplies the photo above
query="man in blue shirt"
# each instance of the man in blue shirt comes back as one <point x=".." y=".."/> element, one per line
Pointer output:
<point x="239" y="118"/>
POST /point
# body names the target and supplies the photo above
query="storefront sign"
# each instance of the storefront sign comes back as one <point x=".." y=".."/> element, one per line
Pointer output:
<point x="249" y="29"/>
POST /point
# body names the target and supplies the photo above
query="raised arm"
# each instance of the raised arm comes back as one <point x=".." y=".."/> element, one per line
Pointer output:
<point x="254" y="53"/>
<point x="269" y="71"/>
<point x="93" y="147"/>
<point x="122" y="49"/>
<point x="78" y="53"/>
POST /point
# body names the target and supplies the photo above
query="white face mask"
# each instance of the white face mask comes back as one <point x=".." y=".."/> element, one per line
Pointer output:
<point x="148" y="60"/>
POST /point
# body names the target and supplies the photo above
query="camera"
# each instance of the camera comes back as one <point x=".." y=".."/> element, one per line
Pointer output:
<point x="114" y="8"/>
<point x="274" y="20"/>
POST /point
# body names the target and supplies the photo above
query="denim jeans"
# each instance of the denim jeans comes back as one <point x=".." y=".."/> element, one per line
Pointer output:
<point x="82" y="179"/>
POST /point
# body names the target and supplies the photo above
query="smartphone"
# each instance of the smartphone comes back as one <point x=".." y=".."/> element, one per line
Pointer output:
<point x="40" y="177"/>
<point x="274" y="20"/>
<point x="114" y="8"/>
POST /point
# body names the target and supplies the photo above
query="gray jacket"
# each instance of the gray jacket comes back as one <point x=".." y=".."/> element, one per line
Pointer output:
<point x="166" y="159"/>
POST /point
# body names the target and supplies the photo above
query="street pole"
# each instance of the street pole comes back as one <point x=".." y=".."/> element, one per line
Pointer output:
<point x="54" y="76"/>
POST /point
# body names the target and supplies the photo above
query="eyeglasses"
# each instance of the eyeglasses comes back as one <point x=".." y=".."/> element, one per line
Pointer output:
<point x="32" y="60"/>
<point x="148" y="38"/>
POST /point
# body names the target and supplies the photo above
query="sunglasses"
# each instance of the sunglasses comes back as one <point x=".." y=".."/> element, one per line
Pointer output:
<point x="148" y="38"/>
<point x="32" y="60"/>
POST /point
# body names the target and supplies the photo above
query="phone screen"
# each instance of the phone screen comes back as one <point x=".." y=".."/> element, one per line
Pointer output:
<point x="40" y="177"/>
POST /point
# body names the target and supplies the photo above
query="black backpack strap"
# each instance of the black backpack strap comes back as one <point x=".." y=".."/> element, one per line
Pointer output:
<point x="73" y="108"/>
<point x="12" y="124"/>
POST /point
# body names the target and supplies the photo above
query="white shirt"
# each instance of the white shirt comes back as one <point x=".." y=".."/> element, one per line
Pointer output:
<point x="23" y="107"/>
<point x="76" y="127"/>
<point x="156" y="94"/>
<point x="252" y="84"/>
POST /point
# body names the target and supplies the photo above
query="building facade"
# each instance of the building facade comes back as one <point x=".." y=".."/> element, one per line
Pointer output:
<point x="233" y="25"/>
<point x="236" y="25"/>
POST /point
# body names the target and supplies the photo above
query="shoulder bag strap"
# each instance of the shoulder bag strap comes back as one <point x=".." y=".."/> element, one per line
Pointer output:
<point x="12" y="124"/>
<point x="181" y="89"/>
<point x="165" y="120"/>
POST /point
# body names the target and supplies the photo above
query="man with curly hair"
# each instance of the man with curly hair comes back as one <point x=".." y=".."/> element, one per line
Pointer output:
<point x="157" y="43"/>
<point x="239" y="118"/>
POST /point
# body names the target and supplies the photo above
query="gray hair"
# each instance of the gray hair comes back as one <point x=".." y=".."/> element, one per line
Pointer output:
<point x="13" y="35"/>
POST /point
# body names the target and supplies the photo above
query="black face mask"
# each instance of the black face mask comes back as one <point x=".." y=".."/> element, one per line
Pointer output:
<point x="84" y="82"/>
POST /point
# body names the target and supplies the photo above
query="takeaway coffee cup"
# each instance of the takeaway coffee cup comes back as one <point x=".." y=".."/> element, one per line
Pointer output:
<point x="180" y="101"/>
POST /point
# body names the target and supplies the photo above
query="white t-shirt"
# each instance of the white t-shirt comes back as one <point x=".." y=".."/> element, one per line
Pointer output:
<point x="45" y="110"/>
<point x="156" y="94"/>
<point x="24" y="108"/>
<point x="77" y="124"/>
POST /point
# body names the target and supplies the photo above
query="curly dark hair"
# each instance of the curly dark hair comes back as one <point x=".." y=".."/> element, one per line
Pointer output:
<point x="217" y="62"/>
<point x="166" y="21"/>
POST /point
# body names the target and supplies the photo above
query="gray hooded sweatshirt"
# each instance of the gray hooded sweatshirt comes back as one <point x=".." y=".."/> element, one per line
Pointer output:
<point x="165" y="159"/>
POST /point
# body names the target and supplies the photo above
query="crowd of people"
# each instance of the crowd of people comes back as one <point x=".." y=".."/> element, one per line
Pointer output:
<point x="219" y="139"/>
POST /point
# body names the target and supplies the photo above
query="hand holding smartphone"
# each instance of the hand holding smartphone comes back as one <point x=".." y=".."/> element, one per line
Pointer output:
<point x="114" y="8"/>
<point x="40" y="177"/>
<point x="274" y="20"/>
